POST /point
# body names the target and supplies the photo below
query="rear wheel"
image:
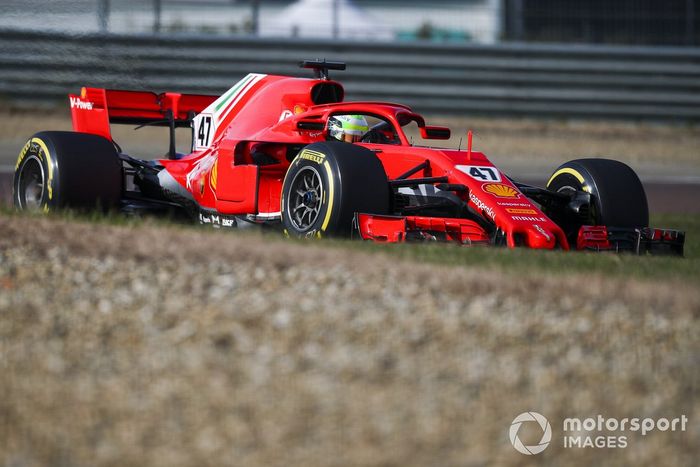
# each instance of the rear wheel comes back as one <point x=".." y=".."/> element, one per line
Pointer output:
<point x="57" y="169"/>
<point x="326" y="184"/>
<point x="618" y="197"/>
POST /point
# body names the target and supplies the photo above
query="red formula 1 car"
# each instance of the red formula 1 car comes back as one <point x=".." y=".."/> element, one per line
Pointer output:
<point x="288" y="151"/>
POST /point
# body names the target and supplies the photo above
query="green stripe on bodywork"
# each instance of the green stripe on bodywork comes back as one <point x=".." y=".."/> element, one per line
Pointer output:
<point x="232" y="92"/>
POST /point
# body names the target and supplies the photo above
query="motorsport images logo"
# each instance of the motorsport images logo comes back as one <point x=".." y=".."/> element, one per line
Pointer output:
<point x="530" y="417"/>
<point x="597" y="432"/>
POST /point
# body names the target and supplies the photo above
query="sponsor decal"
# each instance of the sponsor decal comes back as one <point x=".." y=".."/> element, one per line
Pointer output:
<point x="217" y="220"/>
<point x="22" y="154"/>
<point x="329" y="209"/>
<point x="78" y="103"/>
<point x="520" y="211"/>
<point x="511" y="203"/>
<point x="529" y="218"/>
<point x="314" y="156"/>
<point x="482" y="206"/>
<point x="542" y="231"/>
<point x="500" y="190"/>
<point x="483" y="174"/>
<point x="285" y="114"/>
<point x="37" y="147"/>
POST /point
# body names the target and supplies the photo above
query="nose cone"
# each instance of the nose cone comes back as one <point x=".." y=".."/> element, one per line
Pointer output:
<point x="540" y="237"/>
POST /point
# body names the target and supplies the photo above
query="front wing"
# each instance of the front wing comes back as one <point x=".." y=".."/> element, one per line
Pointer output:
<point x="397" y="229"/>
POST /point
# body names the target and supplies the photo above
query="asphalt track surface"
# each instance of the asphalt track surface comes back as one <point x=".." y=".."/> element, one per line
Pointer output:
<point x="667" y="195"/>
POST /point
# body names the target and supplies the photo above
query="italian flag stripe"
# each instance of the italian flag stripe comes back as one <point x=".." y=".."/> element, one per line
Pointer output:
<point x="231" y="103"/>
<point x="233" y="91"/>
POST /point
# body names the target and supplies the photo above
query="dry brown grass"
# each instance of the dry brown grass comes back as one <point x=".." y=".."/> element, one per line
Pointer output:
<point x="160" y="346"/>
<point x="147" y="142"/>
<point x="515" y="144"/>
<point x="522" y="142"/>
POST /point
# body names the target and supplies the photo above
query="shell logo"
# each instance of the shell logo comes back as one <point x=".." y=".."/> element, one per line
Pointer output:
<point x="500" y="190"/>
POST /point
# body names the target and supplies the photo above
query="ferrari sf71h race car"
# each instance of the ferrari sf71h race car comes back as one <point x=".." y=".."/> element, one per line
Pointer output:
<point x="272" y="150"/>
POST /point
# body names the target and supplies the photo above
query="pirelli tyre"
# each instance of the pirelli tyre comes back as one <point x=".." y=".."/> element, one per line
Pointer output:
<point x="60" y="169"/>
<point x="618" y="197"/>
<point x="326" y="184"/>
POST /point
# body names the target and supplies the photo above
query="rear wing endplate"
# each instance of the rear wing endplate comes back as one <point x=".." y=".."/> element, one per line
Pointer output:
<point x="94" y="109"/>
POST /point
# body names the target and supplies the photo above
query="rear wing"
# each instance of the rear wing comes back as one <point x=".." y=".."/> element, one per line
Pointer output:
<point x="94" y="109"/>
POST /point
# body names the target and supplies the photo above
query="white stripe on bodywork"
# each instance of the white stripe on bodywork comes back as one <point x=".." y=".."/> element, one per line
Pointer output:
<point x="228" y="101"/>
<point x="168" y="182"/>
<point x="263" y="216"/>
<point x="420" y="190"/>
<point x="221" y="107"/>
<point x="201" y="167"/>
<point x="269" y="214"/>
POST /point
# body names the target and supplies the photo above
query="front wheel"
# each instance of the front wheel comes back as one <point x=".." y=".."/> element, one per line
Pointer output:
<point x="617" y="195"/>
<point x="326" y="184"/>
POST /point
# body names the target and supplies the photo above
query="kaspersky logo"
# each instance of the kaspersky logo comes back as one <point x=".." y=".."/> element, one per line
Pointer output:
<point x="530" y="417"/>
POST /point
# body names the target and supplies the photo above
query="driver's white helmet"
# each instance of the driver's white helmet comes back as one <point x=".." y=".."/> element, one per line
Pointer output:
<point x="348" y="128"/>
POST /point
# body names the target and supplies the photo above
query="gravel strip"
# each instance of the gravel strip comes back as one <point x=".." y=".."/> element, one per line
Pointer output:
<point x="148" y="345"/>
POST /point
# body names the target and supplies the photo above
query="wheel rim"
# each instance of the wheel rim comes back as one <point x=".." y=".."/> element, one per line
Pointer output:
<point x="306" y="194"/>
<point x="566" y="188"/>
<point x="31" y="185"/>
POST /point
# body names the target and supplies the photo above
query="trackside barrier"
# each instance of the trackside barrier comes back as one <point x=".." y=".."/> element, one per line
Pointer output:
<point x="656" y="83"/>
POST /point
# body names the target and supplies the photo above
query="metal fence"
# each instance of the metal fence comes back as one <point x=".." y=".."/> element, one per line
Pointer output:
<point x="405" y="20"/>
<point x="513" y="79"/>
<point x="632" y="22"/>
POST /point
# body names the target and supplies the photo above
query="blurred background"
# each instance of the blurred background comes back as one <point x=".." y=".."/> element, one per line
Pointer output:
<point x="638" y="22"/>
<point x="540" y="81"/>
<point x="635" y="59"/>
<point x="629" y="58"/>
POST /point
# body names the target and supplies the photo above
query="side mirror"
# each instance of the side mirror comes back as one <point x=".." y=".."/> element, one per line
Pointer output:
<point x="311" y="125"/>
<point x="435" y="132"/>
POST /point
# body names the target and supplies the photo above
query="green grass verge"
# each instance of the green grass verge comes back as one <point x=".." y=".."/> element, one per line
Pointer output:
<point x="517" y="261"/>
<point x="523" y="260"/>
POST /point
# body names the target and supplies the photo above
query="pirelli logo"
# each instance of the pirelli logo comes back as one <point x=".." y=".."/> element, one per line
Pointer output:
<point x="314" y="156"/>
<point x="520" y="211"/>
